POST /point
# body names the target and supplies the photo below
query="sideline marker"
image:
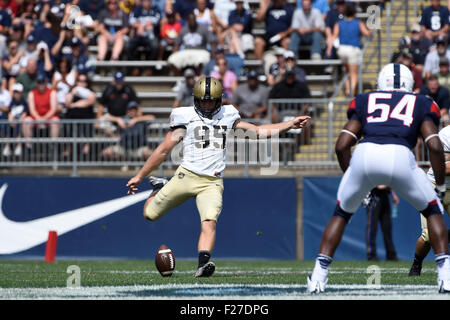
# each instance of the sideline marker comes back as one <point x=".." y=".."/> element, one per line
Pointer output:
<point x="50" y="248"/>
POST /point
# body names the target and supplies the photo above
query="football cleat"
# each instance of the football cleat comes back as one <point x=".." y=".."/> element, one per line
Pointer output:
<point x="157" y="184"/>
<point x="206" y="271"/>
<point x="415" y="270"/>
<point x="444" y="286"/>
<point x="316" y="286"/>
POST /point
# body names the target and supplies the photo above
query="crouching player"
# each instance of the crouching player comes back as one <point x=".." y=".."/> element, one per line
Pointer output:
<point x="390" y="119"/>
<point x="423" y="245"/>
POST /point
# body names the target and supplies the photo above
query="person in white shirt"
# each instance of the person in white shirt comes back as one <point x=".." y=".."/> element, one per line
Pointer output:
<point x="308" y="27"/>
<point x="203" y="129"/>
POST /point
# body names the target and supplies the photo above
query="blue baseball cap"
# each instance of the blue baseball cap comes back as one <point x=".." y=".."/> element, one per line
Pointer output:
<point x="132" y="104"/>
<point x="119" y="76"/>
<point x="75" y="42"/>
<point x="31" y="38"/>
<point x="41" y="78"/>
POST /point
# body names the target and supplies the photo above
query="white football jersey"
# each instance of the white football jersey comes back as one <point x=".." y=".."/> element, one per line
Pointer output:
<point x="204" y="144"/>
<point x="444" y="135"/>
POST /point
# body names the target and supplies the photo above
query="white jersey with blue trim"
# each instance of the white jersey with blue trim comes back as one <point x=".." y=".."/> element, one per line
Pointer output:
<point x="444" y="136"/>
<point x="204" y="143"/>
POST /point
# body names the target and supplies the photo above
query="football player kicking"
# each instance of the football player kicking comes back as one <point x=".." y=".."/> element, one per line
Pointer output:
<point x="390" y="119"/>
<point x="203" y="129"/>
<point x="423" y="242"/>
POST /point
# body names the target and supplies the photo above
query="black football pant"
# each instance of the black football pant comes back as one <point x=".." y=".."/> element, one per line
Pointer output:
<point x="379" y="211"/>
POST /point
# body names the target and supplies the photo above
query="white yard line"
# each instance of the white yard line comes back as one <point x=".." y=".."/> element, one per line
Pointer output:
<point x="228" y="291"/>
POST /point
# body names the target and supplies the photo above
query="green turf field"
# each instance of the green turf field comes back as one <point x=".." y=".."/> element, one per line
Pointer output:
<point x="131" y="279"/>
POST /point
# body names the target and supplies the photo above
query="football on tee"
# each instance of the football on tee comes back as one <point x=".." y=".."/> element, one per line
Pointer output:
<point x="165" y="261"/>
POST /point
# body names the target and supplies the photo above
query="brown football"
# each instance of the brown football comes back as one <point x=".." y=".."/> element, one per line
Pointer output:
<point x="165" y="261"/>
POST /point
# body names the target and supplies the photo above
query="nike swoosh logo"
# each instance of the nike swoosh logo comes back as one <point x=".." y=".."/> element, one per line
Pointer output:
<point x="19" y="236"/>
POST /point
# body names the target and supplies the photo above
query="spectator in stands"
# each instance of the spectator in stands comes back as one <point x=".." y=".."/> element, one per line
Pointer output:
<point x="191" y="46"/>
<point x="239" y="31"/>
<point x="144" y="21"/>
<point x="234" y="62"/>
<point x="30" y="51"/>
<point x="406" y="58"/>
<point x="439" y="94"/>
<point x="10" y="5"/>
<point x="115" y="99"/>
<point x="434" y="20"/>
<point x="44" y="60"/>
<point x="133" y="141"/>
<point x="276" y="70"/>
<point x="321" y="5"/>
<point x="48" y="29"/>
<point x="5" y="21"/>
<point x="163" y="6"/>
<point x="28" y="77"/>
<point x="183" y="8"/>
<point x="333" y="16"/>
<point x="17" y="33"/>
<point x="26" y="10"/>
<point x="444" y="73"/>
<point x="62" y="82"/>
<point x="432" y="58"/>
<point x="205" y="16"/>
<point x="251" y="98"/>
<point x="307" y="28"/>
<point x="403" y="43"/>
<point x="18" y="111"/>
<point x="289" y="88"/>
<point x="126" y="6"/>
<point x="80" y="102"/>
<point x="80" y="61"/>
<point x="5" y="100"/>
<point x="170" y="29"/>
<point x="92" y="7"/>
<point x="228" y="79"/>
<point x="113" y="27"/>
<point x="278" y="18"/>
<point x="419" y="46"/>
<point x="62" y="47"/>
<point x="285" y="58"/>
<point x="300" y="74"/>
<point x="42" y="104"/>
<point x="185" y="92"/>
<point x="10" y="62"/>
<point x="350" y="29"/>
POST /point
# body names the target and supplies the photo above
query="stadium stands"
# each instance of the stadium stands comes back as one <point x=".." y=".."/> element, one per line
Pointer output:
<point x="156" y="90"/>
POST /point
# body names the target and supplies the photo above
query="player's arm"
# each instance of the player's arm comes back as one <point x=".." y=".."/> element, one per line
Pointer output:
<point x="161" y="152"/>
<point x="347" y="139"/>
<point x="447" y="164"/>
<point x="430" y="135"/>
<point x="267" y="130"/>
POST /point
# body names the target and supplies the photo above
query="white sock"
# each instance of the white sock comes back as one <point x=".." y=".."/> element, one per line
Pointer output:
<point x="443" y="266"/>
<point x="320" y="271"/>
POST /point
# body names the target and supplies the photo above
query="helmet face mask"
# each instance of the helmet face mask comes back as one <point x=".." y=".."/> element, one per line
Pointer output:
<point x="207" y="89"/>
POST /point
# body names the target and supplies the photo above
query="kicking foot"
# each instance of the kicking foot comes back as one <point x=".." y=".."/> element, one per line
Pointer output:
<point x="157" y="184"/>
<point x="206" y="271"/>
